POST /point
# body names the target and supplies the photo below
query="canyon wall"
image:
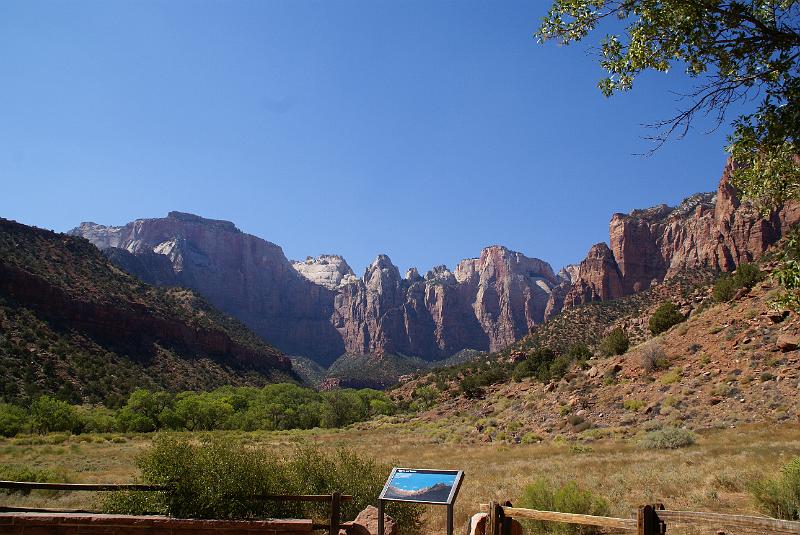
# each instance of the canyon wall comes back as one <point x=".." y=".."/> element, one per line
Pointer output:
<point x="714" y="231"/>
<point x="318" y="307"/>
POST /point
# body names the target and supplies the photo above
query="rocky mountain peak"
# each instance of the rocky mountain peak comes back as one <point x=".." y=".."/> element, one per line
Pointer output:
<point x="440" y="274"/>
<point x="102" y="236"/>
<point x="330" y="271"/>
<point x="219" y="224"/>
<point x="412" y="275"/>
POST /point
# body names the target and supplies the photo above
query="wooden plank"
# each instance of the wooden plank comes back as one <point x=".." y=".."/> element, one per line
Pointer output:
<point x="750" y="523"/>
<point x="570" y="518"/>
<point x="35" y="485"/>
<point x="302" y="498"/>
<point x="105" y="487"/>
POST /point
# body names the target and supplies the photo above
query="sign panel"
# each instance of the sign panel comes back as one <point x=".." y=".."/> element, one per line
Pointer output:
<point x="422" y="485"/>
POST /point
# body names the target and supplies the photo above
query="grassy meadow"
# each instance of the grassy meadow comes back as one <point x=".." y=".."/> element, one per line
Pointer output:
<point x="711" y="475"/>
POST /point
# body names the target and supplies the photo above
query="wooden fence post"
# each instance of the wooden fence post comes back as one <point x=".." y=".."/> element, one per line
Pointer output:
<point x="647" y="521"/>
<point x="494" y="521"/>
<point x="336" y="515"/>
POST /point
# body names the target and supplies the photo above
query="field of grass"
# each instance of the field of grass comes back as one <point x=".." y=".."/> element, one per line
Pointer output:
<point x="712" y="475"/>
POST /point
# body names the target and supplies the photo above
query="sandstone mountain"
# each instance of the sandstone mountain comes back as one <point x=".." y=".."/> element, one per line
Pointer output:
<point x="319" y="308"/>
<point x="706" y="231"/>
<point x="73" y="323"/>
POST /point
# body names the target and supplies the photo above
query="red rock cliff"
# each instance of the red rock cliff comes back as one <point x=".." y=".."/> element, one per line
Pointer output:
<point x="712" y="230"/>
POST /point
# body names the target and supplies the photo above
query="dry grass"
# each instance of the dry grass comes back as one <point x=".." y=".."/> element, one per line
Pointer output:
<point x="711" y="475"/>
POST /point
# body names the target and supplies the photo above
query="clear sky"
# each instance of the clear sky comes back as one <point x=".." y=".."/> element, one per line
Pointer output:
<point x="423" y="129"/>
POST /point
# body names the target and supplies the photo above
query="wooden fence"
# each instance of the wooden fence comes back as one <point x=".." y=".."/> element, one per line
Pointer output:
<point x="649" y="520"/>
<point x="335" y="499"/>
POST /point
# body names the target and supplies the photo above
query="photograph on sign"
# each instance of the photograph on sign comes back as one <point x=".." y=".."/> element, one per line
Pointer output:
<point x="417" y="485"/>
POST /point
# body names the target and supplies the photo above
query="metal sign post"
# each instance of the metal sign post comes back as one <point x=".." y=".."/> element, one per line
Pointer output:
<point x="421" y="485"/>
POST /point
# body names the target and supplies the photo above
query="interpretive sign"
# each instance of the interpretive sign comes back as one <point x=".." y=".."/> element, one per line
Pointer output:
<point x="421" y="485"/>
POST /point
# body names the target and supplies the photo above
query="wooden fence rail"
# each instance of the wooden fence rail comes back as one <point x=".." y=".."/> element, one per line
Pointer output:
<point x="335" y="499"/>
<point x="649" y="520"/>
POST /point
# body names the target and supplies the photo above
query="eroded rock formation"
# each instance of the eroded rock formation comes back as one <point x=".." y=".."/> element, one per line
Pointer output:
<point x="714" y="231"/>
<point x="318" y="307"/>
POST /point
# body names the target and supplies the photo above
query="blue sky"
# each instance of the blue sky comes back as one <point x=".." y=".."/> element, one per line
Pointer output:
<point x="423" y="129"/>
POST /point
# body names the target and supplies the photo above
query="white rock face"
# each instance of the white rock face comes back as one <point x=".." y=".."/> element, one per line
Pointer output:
<point x="569" y="273"/>
<point x="330" y="271"/>
<point x="101" y="236"/>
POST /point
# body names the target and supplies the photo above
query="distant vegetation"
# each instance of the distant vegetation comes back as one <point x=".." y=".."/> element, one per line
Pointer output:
<point x="214" y="477"/>
<point x="274" y="407"/>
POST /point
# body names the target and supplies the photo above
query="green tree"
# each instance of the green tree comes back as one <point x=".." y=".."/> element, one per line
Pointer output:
<point x="49" y="414"/>
<point x="201" y="412"/>
<point x="616" y="343"/>
<point x="738" y="51"/>
<point x="665" y="316"/>
<point x="13" y="419"/>
<point x="424" y="397"/>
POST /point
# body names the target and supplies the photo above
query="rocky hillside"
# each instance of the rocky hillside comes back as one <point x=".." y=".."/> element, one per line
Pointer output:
<point x="72" y="323"/>
<point x="730" y="363"/>
<point x="319" y="308"/>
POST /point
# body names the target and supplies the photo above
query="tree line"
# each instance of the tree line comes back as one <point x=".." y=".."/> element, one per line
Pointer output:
<point x="274" y="407"/>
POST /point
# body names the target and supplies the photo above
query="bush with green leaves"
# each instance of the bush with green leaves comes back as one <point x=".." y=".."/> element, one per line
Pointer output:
<point x="616" y="343"/>
<point x="579" y="352"/>
<point x="788" y="272"/>
<point x="49" y="414"/>
<point x="217" y="478"/>
<point x="566" y="498"/>
<point x="746" y="276"/>
<point x="668" y="438"/>
<point x="780" y="498"/>
<point x="665" y="316"/>
<point x="12" y="472"/>
<point x="13" y="420"/>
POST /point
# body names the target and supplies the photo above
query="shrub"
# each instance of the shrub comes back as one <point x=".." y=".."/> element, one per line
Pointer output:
<point x="665" y="317"/>
<point x="671" y="377"/>
<point x="13" y="419"/>
<point x="521" y="371"/>
<point x="470" y="387"/>
<point x="780" y="498"/>
<point x="616" y="343"/>
<point x="50" y="414"/>
<point x="633" y="405"/>
<point x="668" y="438"/>
<point x="424" y="397"/>
<point x="567" y="498"/>
<point x="653" y="357"/>
<point x="724" y="289"/>
<point x="213" y="478"/>
<point x="579" y="352"/>
<point x="25" y="473"/>
<point x="560" y="366"/>
<point x="745" y="276"/>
